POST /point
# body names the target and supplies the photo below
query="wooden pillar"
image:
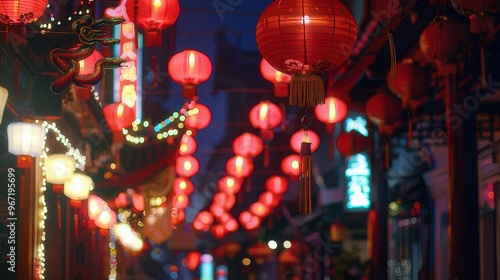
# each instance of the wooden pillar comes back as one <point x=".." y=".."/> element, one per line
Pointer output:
<point x="463" y="225"/>
<point x="26" y="221"/>
<point x="377" y="221"/>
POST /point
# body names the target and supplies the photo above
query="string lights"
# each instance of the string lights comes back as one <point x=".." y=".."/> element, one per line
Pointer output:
<point x="51" y="10"/>
<point x="112" y="255"/>
<point x="169" y="127"/>
<point x="80" y="162"/>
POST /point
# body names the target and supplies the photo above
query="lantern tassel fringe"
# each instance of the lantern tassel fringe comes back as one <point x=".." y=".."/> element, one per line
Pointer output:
<point x="392" y="50"/>
<point x="307" y="90"/>
<point x="305" y="180"/>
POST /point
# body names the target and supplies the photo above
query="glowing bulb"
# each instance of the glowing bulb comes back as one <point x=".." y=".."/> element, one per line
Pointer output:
<point x="263" y="112"/>
<point x="191" y="62"/>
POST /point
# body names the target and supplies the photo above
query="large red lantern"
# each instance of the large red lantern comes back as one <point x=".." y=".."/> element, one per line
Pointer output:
<point x="187" y="166"/>
<point x="280" y="80"/>
<point x="351" y="143"/>
<point x="229" y="185"/>
<point x="239" y="167"/>
<point x="248" y="145"/>
<point x="304" y="39"/>
<point x="188" y="145"/>
<point x="190" y="68"/>
<point x="19" y="11"/>
<point x="442" y="39"/>
<point x="198" y="117"/>
<point x="265" y="115"/>
<point x="290" y="165"/>
<point x="385" y="110"/>
<point x="183" y="185"/>
<point x="87" y="64"/>
<point x="411" y="83"/>
<point x="304" y="136"/>
<point x="479" y="13"/>
<point x="333" y="111"/>
<point x="118" y="116"/>
<point x="277" y="184"/>
<point x="155" y="15"/>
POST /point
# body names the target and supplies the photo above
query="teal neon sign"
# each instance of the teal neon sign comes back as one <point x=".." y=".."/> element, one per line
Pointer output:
<point x="358" y="172"/>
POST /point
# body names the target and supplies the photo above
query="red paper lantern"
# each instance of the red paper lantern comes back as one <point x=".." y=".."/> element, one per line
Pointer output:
<point x="155" y="15"/>
<point x="183" y="185"/>
<point x="248" y="145"/>
<point x="21" y="11"/>
<point x="138" y="202"/>
<point x="193" y="260"/>
<point x="231" y="225"/>
<point x="277" y="184"/>
<point x="205" y="217"/>
<point x="441" y="39"/>
<point x="385" y="110"/>
<point x="265" y="115"/>
<point x="269" y="198"/>
<point x="252" y="224"/>
<point x="411" y="83"/>
<point x="225" y="200"/>
<point x="198" y="117"/>
<point x="303" y="39"/>
<point x="87" y="64"/>
<point x="217" y="210"/>
<point x="239" y="167"/>
<point x="180" y="201"/>
<point x="118" y="116"/>
<point x="479" y="13"/>
<point x="245" y="217"/>
<point x="188" y="145"/>
<point x="290" y="165"/>
<point x="189" y="68"/>
<point x="280" y="80"/>
<point x="229" y="185"/>
<point x="333" y="111"/>
<point x="259" y="209"/>
<point x="186" y="166"/>
<point x="298" y="137"/>
<point x="178" y="216"/>
<point x="219" y="231"/>
<point x="351" y="143"/>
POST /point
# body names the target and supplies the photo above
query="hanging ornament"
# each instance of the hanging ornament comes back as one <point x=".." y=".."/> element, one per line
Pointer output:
<point x="305" y="166"/>
<point x="266" y="116"/>
<point x="155" y="15"/>
<point x="306" y="39"/>
<point x="479" y="12"/>
<point x="190" y="68"/>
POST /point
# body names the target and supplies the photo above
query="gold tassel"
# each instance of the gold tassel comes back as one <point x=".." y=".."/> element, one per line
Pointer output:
<point x="305" y="182"/>
<point x="392" y="50"/>
<point x="307" y="90"/>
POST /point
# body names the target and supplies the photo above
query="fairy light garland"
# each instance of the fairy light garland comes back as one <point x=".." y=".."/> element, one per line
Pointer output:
<point x="42" y="205"/>
<point x="177" y="118"/>
<point x="112" y="255"/>
<point x="73" y="152"/>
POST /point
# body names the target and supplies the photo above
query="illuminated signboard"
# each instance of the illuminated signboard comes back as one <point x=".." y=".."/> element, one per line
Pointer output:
<point x="207" y="267"/>
<point x="221" y="272"/>
<point x="127" y="84"/>
<point x="358" y="172"/>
